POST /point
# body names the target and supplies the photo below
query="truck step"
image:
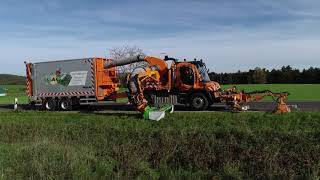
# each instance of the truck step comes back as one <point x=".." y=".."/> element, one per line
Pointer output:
<point x="88" y="101"/>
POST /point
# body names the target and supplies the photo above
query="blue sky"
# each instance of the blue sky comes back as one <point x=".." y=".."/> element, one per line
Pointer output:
<point x="228" y="34"/>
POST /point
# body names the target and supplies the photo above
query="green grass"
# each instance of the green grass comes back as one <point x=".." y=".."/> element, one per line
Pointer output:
<point x="44" y="145"/>
<point x="14" y="91"/>
<point x="298" y="92"/>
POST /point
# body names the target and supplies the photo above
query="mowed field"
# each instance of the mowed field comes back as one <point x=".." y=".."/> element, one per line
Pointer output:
<point x="298" y="92"/>
<point x="66" y="145"/>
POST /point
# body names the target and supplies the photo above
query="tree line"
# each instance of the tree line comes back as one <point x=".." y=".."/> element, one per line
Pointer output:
<point x="8" y="79"/>
<point x="285" y="75"/>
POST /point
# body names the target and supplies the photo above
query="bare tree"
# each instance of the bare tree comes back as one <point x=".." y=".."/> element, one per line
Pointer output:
<point x="124" y="52"/>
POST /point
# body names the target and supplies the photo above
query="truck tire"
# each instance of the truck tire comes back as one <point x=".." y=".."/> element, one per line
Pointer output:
<point x="198" y="102"/>
<point x="50" y="105"/>
<point x="65" y="105"/>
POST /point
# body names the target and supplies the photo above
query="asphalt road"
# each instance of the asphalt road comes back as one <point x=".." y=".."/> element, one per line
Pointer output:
<point x="256" y="106"/>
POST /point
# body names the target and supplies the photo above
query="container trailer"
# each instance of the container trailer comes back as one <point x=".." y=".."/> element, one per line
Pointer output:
<point x="61" y="85"/>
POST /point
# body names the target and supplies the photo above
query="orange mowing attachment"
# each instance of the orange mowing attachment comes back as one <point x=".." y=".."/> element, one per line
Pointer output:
<point x="236" y="99"/>
<point x="282" y="106"/>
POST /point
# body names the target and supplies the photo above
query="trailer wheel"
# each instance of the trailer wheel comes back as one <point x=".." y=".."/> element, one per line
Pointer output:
<point x="50" y="105"/>
<point x="65" y="105"/>
<point x="199" y="102"/>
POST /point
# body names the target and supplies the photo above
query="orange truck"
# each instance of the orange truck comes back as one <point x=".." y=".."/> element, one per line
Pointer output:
<point x="185" y="83"/>
<point x="61" y="85"/>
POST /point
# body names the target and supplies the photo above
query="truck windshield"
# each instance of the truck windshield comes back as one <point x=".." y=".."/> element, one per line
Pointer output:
<point x="204" y="73"/>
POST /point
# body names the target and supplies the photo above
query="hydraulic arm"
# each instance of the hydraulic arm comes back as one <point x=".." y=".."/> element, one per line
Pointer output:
<point x="155" y="69"/>
<point x="279" y="98"/>
<point x="236" y="99"/>
<point x="141" y="76"/>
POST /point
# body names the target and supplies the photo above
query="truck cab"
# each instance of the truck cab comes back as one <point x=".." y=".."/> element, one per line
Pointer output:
<point x="194" y="85"/>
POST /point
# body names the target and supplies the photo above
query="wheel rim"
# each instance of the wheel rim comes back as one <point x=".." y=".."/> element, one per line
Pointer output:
<point x="49" y="105"/>
<point x="64" y="105"/>
<point x="198" y="102"/>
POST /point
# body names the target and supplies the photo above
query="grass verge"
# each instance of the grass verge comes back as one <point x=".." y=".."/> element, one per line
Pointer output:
<point x="45" y="145"/>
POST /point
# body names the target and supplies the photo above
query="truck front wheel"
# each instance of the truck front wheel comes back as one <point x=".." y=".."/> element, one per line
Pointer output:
<point x="199" y="102"/>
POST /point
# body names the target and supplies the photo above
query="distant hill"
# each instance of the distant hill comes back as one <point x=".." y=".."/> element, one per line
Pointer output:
<point x="8" y="79"/>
